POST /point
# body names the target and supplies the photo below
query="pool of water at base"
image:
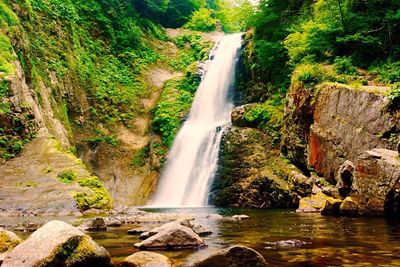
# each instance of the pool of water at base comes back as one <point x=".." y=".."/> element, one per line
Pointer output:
<point x="330" y="241"/>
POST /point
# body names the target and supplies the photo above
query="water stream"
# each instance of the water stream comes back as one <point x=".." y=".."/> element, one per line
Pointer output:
<point x="192" y="161"/>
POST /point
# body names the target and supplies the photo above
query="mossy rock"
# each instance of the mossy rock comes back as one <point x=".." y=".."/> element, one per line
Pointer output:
<point x="8" y="240"/>
<point x="58" y="244"/>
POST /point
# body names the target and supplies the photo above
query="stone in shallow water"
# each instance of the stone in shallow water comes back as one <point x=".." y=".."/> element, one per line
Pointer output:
<point x="146" y="259"/>
<point x="175" y="236"/>
<point x="240" y="217"/>
<point x="57" y="244"/>
<point x="236" y="256"/>
<point x="292" y="243"/>
<point x="96" y="224"/>
<point x="140" y="230"/>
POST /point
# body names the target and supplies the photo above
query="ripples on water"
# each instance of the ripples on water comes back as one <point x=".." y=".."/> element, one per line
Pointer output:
<point x="334" y="241"/>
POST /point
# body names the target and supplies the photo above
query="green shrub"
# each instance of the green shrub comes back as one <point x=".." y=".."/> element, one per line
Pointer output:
<point x="141" y="156"/>
<point x="388" y="72"/>
<point x="344" y="65"/>
<point x="201" y="20"/>
<point x="394" y="97"/>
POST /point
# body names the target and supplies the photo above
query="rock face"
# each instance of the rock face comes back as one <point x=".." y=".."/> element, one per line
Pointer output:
<point x="328" y="125"/>
<point x="234" y="257"/>
<point x="57" y="244"/>
<point x="377" y="183"/>
<point x="251" y="173"/>
<point x="172" y="236"/>
<point x="146" y="259"/>
<point x="239" y="119"/>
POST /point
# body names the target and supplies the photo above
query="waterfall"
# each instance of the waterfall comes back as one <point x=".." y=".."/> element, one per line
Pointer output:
<point x="192" y="161"/>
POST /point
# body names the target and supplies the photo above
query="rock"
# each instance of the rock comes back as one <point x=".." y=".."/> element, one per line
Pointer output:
<point x="8" y="241"/>
<point x="239" y="119"/>
<point x="349" y="207"/>
<point x="318" y="203"/>
<point x="173" y="236"/>
<point x="214" y="216"/>
<point x="96" y="224"/>
<point x="292" y="243"/>
<point x="236" y="256"/>
<point x="345" y="178"/>
<point x="112" y="222"/>
<point x="146" y="259"/>
<point x="331" y="191"/>
<point x="302" y="184"/>
<point x="28" y="226"/>
<point x="398" y="148"/>
<point x="141" y="230"/>
<point x="57" y="244"/>
<point x="240" y="217"/>
<point x="246" y="176"/>
<point x="376" y="184"/>
<point x="339" y="122"/>
<point x="200" y="230"/>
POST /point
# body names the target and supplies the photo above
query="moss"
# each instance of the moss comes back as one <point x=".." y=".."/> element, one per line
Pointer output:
<point x="141" y="157"/>
<point x="84" y="249"/>
<point x="28" y="184"/>
<point x="8" y="241"/>
<point x="99" y="198"/>
<point x="67" y="176"/>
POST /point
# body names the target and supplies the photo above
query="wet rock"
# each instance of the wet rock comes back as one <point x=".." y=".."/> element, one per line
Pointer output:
<point x="349" y="207"/>
<point x="398" y="148"/>
<point x="377" y="182"/>
<point x="28" y="226"/>
<point x="141" y="230"/>
<point x="57" y="244"/>
<point x="175" y="236"/>
<point x="200" y="230"/>
<point x="236" y="256"/>
<point x="95" y="224"/>
<point x="112" y="222"/>
<point x="292" y="243"/>
<point x="146" y="259"/>
<point x="345" y="178"/>
<point x="240" y="217"/>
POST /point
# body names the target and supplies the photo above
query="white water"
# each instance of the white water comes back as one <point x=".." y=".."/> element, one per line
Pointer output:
<point x="192" y="161"/>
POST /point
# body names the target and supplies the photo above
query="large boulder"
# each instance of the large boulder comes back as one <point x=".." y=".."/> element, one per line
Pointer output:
<point x="319" y="203"/>
<point x="234" y="257"/>
<point x="172" y="236"/>
<point x="57" y="244"/>
<point x="376" y="185"/>
<point x="146" y="259"/>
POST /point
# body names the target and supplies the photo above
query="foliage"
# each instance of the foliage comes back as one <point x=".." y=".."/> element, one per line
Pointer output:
<point x="233" y="14"/>
<point x="140" y="157"/>
<point x="388" y="72"/>
<point x="99" y="199"/>
<point x="394" y="97"/>
<point x="201" y="20"/>
<point x="344" y="65"/>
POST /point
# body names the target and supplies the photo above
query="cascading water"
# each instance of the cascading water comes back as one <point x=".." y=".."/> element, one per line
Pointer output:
<point x="192" y="161"/>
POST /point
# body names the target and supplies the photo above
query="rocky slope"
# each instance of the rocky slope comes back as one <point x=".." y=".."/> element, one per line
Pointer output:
<point x="75" y="86"/>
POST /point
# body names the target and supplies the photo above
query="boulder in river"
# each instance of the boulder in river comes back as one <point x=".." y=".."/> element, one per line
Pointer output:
<point x="240" y="217"/>
<point x="236" y="256"/>
<point x="57" y="244"/>
<point x="146" y="259"/>
<point x="292" y="243"/>
<point x="172" y="236"/>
